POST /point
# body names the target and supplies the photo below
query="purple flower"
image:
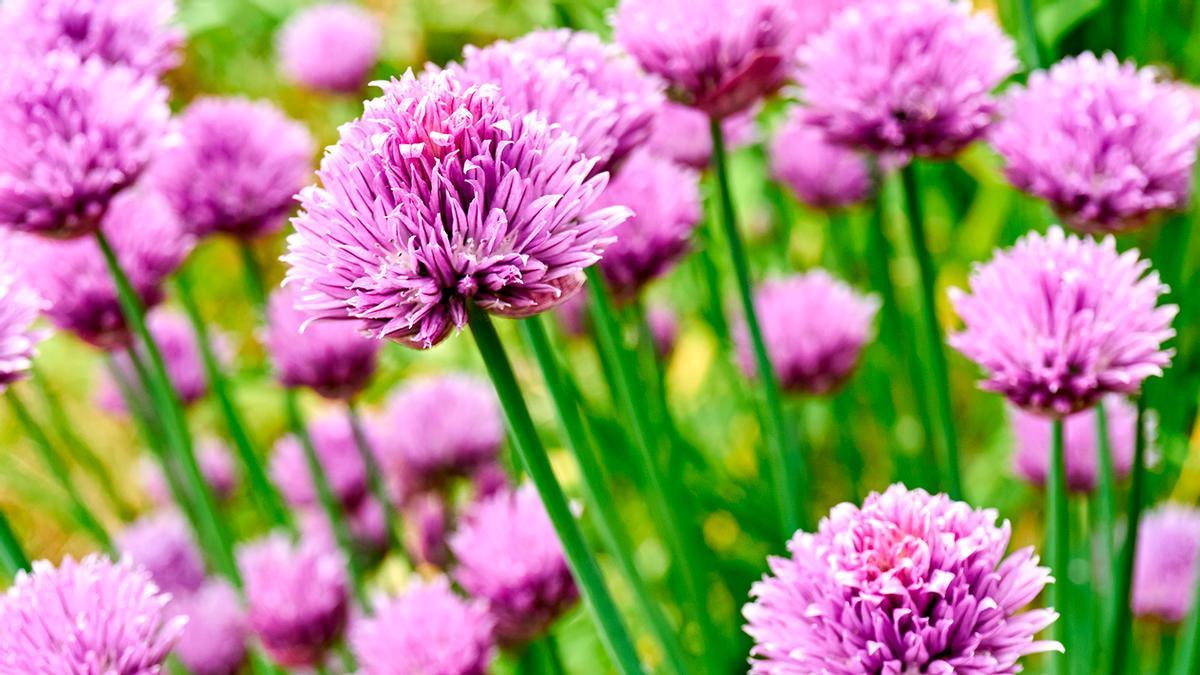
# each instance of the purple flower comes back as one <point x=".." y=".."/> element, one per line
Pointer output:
<point x="75" y="134"/>
<point x="1165" y="567"/>
<point x="821" y="175"/>
<point x="427" y="518"/>
<point x="162" y="543"/>
<point x="297" y="595"/>
<point x="333" y="440"/>
<point x="814" y="327"/>
<point x="428" y="629"/>
<point x="1107" y="144"/>
<point x="665" y="200"/>
<point x="509" y="556"/>
<point x="236" y="169"/>
<point x="214" y="640"/>
<point x="680" y="133"/>
<point x="813" y="17"/>
<point x="440" y="196"/>
<point x="333" y="359"/>
<point x="911" y="77"/>
<point x="90" y="616"/>
<point x="216" y="465"/>
<point x="138" y="34"/>
<point x="1058" y="321"/>
<point x="329" y="47"/>
<point x="721" y="56"/>
<point x="908" y="583"/>
<point x="19" y="308"/>
<point x="1033" y="435"/>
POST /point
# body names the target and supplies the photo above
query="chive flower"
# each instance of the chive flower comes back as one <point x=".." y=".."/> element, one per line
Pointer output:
<point x="162" y="544"/>
<point x="1166" y="563"/>
<point x="680" y="133"/>
<point x="336" y="450"/>
<point x="214" y="640"/>
<point x="821" y="174"/>
<point x="330" y="46"/>
<point x="19" y="308"/>
<point x="1081" y="451"/>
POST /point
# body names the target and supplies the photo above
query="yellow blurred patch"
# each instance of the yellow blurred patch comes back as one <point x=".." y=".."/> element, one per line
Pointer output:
<point x="721" y="531"/>
<point x="693" y="356"/>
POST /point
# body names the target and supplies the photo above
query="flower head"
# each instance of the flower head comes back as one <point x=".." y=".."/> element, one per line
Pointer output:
<point x="680" y="133"/>
<point x="162" y="543"/>
<point x="908" y="583"/>
<point x="333" y="359"/>
<point x="214" y="640"/>
<point x="19" y="308"/>
<point x="85" y="617"/>
<point x="1058" y="321"/>
<point x="822" y="175"/>
<point x="336" y="449"/>
<point x="814" y="327"/>
<point x="1167" y="562"/>
<point x="1106" y="143"/>
<point x="329" y="47"/>
<point x="216" y="465"/>
<point x="440" y="196"/>
<point x="236" y="169"/>
<point x="911" y="77"/>
<point x="1033" y="435"/>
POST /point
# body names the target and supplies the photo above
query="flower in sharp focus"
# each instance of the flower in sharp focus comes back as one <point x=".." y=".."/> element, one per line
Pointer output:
<point x="329" y="47"/>
<point x="214" y="640"/>
<point x="1107" y="144"/>
<point x="1033" y="436"/>
<point x="440" y="196"/>
<point x="1057" y="321"/>
<point x="908" y="583"/>
<point x="428" y="629"/>
<point x="821" y="175"/>
<point x="236" y="168"/>
<point x="509" y="556"/>
<point x="75" y="134"/>
<point x="680" y="133"/>
<point x="721" y="56"/>
<point x="297" y="597"/>
<point x="336" y="449"/>
<point x="1167" y="562"/>
<point x="911" y="77"/>
<point x="162" y="543"/>
<point x="216" y="465"/>
<point x="84" y="617"/>
<point x="814" y="327"/>
<point x="19" y="308"/>
<point x="333" y="358"/>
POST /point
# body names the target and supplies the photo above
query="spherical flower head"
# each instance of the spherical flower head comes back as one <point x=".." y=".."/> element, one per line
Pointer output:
<point x="236" y="168"/>
<point x="214" y="640"/>
<point x="821" y="175"/>
<point x="665" y="200"/>
<point x="90" y="616"/>
<point x="216" y="466"/>
<point x="509" y="555"/>
<point x="75" y="134"/>
<point x="297" y="597"/>
<point x="1107" y="144"/>
<point x="681" y="134"/>
<point x="721" y="56"/>
<point x="19" y="308"/>
<point x="1166" y="563"/>
<point x="594" y="90"/>
<point x="333" y="440"/>
<point x="814" y="16"/>
<point x="162" y="543"/>
<point x="908" y="583"/>
<point x="911" y="77"/>
<point x="332" y="358"/>
<point x="814" y="327"/>
<point x="329" y="47"/>
<point x="440" y="196"/>
<point x="1058" y="321"/>
<point x="1033" y="436"/>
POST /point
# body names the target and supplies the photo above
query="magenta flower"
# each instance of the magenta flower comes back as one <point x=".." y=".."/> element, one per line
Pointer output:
<point x="813" y="17"/>
<point x="1166" y="563"/>
<point x="814" y="327"/>
<point x="85" y="617"/>
<point x="1058" y="321"/>
<point x="1108" y="145"/>
<point x="297" y="596"/>
<point x="236" y="169"/>
<point x="680" y="133"/>
<point x="19" y="308"/>
<point x="910" y="77"/>
<point x="76" y="133"/>
<point x="162" y="544"/>
<point x="333" y="441"/>
<point x="329" y="47"/>
<point x="214" y="640"/>
<point x="721" y="56"/>
<point x="216" y="465"/>
<point x="440" y="196"/>
<point x="1033" y="431"/>
<point x="908" y="583"/>
<point x="821" y="175"/>
<point x="428" y="629"/>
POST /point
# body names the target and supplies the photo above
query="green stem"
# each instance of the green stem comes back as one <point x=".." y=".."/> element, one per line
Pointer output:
<point x="1107" y="509"/>
<point x="786" y="467"/>
<point x="583" y="565"/>
<point x="1058" y="546"/>
<point x="12" y="556"/>
<point x="1123" y="619"/>
<point x="849" y="454"/>
<point x="374" y="476"/>
<point x="1035" y="52"/>
<point x="543" y="654"/>
<point x="255" y="287"/>
<point x="714" y="307"/>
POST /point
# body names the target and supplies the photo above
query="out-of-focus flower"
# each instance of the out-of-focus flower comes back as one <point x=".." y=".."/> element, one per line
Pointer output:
<point x="336" y="449"/>
<point x="162" y="543"/>
<point x="428" y="520"/>
<point x="509" y="555"/>
<point x="814" y="327"/>
<point x="664" y="329"/>
<point x="81" y="617"/>
<point x="216" y="465"/>
<point x="1058" y="321"/>
<point x="366" y="522"/>
<point x="1166" y="564"/>
<point x="236" y="169"/>
<point x="1108" y="145"/>
<point x="721" y="56"/>
<point x="214" y="640"/>
<point x="19" y="308"/>
<point x="440" y="196"/>
<point x="428" y="629"/>
<point x="181" y="353"/>
<point x="332" y="358"/>
<point x="75" y="134"/>
<point x="907" y="583"/>
<point x="910" y="77"/>
<point x="814" y="16"/>
<point x="329" y="47"/>
<point x="489" y="479"/>
<point x="820" y="174"/>
<point x="297" y="597"/>
<point x="680" y="133"/>
<point x="1081" y="452"/>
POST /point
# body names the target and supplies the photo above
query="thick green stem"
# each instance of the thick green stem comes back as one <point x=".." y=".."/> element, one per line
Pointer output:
<point x="374" y="476"/>
<point x="529" y="447"/>
<point x="543" y="657"/>
<point x="1058" y="542"/>
<point x="12" y="556"/>
<point x="1122" y="614"/>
